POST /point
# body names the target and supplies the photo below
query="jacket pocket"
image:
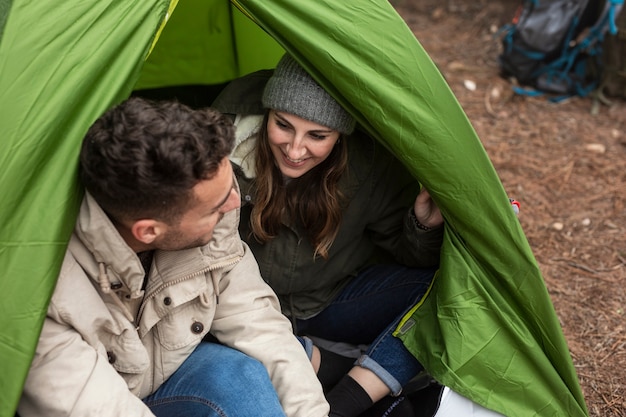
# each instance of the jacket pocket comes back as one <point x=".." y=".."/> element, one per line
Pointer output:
<point x="185" y="326"/>
<point x="178" y="334"/>
<point x="127" y="355"/>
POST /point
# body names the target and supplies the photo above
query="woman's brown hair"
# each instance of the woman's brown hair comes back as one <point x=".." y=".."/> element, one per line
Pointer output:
<point x="312" y="201"/>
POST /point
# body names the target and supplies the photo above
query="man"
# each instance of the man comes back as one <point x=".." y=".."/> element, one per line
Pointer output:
<point x="154" y="265"/>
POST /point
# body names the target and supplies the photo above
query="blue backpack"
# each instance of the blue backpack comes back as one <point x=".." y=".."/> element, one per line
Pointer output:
<point x="555" y="46"/>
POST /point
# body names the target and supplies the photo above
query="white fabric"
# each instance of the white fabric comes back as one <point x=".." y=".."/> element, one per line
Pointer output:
<point x="247" y="128"/>
<point x="455" y="405"/>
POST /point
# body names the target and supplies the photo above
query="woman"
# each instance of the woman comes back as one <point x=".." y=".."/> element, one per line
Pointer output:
<point x="339" y="228"/>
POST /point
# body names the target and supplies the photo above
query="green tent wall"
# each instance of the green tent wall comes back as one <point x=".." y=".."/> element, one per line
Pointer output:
<point x="488" y="328"/>
<point x="207" y="43"/>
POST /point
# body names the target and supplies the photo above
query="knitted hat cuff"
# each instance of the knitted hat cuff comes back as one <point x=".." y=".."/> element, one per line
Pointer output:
<point x="292" y="90"/>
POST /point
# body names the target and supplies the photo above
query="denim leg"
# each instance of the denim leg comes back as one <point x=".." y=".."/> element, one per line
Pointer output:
<point x="217" y="381"/>
<point x="307" y="344"/>
<point x="367" y="311"/>
<point x="389" y="359"/>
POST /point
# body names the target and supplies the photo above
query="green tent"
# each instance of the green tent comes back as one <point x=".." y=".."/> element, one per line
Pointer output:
<point x="488" y="328"/>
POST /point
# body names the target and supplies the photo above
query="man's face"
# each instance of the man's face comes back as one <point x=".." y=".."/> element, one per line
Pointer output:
<point x="213" y="198"/>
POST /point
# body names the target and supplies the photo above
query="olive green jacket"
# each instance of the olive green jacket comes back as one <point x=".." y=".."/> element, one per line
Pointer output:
<point x="376" y="224"/>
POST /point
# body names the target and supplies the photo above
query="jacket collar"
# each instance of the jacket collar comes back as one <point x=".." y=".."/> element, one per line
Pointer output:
<point x="99" y="236"/>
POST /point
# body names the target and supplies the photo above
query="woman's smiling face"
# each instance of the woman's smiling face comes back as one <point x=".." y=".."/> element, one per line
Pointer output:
<point x="298" y="145"/>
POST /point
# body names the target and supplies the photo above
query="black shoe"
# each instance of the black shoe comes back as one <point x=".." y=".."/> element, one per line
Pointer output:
<point x="426" y="400"/>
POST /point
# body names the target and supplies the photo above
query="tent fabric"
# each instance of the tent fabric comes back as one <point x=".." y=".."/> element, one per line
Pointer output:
<point x="205" y="43"/>
<point x="488" y="328"/>
<point x="61" y="65"/>
<point x="5" y="6"/>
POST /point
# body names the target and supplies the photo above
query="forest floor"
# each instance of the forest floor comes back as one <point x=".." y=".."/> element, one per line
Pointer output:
<point x="566" y="164"/>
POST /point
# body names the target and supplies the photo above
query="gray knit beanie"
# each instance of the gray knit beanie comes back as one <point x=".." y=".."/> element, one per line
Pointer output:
<point x="291" y="89"/>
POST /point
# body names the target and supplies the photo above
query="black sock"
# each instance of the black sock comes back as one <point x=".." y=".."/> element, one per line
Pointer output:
<point x="332" y="368"/>
<point x="348" y="399"/>
<point x="393" y="407"/>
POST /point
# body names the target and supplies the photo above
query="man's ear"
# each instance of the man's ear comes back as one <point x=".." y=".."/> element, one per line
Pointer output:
<point x="147" y="230"/>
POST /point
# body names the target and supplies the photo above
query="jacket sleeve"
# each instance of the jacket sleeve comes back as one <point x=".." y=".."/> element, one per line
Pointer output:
<point x="248" y="318"/>
<point x="70" y="378"/>
<point x="392" y="195"/>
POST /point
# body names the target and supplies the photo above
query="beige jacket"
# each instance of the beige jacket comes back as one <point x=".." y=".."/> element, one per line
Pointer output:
<point x="92" y="360"/>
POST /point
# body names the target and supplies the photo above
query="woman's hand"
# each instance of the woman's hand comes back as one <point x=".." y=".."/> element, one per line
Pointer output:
<point x="426" y="211"/>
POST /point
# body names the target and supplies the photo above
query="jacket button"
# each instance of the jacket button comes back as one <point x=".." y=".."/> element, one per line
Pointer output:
<point x="197" y="327"/>
<point x="247" y="198"/>
<point x="111" y="357"/>
<point x="167" y="301"/>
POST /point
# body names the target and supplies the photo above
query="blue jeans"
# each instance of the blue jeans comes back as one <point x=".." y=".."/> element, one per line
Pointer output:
<point x="217" y="381"/>
<point x="367" y="311"/>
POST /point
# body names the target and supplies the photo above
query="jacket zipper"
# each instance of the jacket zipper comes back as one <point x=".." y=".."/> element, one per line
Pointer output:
<point x="214" y="267"/>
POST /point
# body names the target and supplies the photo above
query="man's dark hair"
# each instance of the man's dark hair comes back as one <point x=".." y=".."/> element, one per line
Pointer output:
<point x="142" y="158"/>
